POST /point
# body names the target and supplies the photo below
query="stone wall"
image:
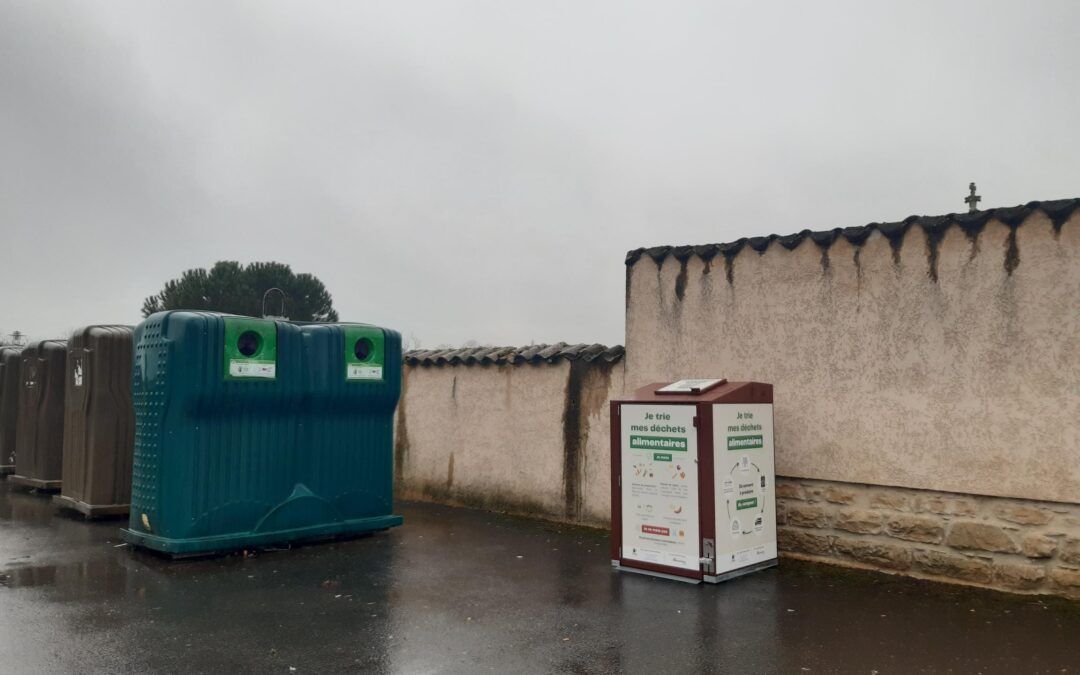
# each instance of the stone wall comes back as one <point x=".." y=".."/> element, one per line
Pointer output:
<point x="526" y="436"/>
<point x="1016" y="545"/>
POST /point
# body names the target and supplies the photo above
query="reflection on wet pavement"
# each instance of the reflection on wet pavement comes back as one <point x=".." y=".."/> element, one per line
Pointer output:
<point x="455" y="590"/>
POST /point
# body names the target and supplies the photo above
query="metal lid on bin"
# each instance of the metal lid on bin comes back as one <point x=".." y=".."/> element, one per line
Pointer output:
<point x="702" y="390"/>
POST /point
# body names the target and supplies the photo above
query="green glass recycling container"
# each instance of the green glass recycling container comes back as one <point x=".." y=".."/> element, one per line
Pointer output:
<point x="256" y="432"/>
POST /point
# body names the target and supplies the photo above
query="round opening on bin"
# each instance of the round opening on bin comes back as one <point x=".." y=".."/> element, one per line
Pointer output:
<point x="362" y="349"/>
<point x="248" y="343"/>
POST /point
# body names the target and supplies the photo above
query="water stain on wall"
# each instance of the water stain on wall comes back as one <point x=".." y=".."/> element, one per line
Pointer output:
<point x="680" y="281"/>
<point x="401" y="434"/>
<point x="1012" y="252"/>
<point x="586" y="394"/>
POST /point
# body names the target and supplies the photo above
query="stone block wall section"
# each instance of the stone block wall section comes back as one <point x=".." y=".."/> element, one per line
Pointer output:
<point x="1007" y="544"/>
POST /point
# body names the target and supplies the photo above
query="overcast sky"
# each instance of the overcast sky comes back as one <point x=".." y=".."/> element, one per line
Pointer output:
<point x="478" y="170"/>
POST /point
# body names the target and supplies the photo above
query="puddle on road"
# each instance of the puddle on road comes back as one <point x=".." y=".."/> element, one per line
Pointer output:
<point x="98" y="576"/>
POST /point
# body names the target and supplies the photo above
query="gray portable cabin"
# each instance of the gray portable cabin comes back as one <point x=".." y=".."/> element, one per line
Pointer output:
<point x="39" y="434"/>
<point x="9" y="406"/>
<point x="99" y="422"/>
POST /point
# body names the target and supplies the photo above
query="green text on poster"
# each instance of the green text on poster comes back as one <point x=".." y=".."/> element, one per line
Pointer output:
<point x="744" y="442"/>
<point x="657" y="443"/>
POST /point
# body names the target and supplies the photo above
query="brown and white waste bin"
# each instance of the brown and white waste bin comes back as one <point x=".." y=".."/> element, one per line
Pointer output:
<point x="692" y="480"/>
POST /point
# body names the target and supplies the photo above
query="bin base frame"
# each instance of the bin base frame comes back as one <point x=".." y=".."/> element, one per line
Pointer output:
<point x="225" y="543"/>
<point x="649" y="573"/>
<point x="36" y="483"/>
<point x="90" y="511"/>
<point x="708" y="578"/>
<point x="749" y="569"/>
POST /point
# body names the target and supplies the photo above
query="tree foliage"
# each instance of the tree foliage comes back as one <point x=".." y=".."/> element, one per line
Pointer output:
<point x="233" y="288"/>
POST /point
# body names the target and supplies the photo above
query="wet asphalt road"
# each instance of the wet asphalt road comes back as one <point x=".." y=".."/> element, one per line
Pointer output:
<point x="463" y="591"/>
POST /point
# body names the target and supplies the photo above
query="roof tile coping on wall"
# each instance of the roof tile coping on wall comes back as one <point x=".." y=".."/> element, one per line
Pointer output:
<point x="1058" y="211"/>
<point x="514" y="355"/>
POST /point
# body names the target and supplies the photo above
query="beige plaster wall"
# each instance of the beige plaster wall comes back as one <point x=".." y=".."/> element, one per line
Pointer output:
<point x="969" y="383"/>
<point x="528" y="438"/>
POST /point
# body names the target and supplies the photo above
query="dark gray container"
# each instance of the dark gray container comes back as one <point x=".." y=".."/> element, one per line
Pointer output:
<point x="39" y="434"/>
<point x="9" y="406"/>
<point x="99" y="422"/>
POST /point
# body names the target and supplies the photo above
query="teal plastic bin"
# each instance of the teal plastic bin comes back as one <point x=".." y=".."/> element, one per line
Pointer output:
<point x="254" y="432"/>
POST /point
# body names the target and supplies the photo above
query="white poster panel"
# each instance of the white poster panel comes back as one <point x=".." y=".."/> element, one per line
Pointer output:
<point x="660" y="485"/>
<point x="745" y="476"/>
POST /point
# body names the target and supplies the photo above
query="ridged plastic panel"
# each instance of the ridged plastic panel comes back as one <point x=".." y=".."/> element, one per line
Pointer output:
<point x="147" y="394"/>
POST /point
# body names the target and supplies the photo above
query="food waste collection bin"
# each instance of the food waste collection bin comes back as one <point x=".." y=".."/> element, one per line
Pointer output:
<point x="692" y="480"/>
<point x="9" y="406"/>
<point x="99" y="424"/>
<point x="39" y="434"/>
<point x="254" y="432"/>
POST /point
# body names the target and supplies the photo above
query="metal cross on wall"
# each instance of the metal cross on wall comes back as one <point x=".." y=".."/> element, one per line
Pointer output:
<point x="972" y="199"/>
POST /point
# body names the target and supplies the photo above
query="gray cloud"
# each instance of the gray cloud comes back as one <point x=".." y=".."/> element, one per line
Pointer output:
<point x="477" y="170"/>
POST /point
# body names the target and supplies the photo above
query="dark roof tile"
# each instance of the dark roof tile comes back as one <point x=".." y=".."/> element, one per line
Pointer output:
<point x="1013" y="215"/>
<point x="658" y="253"/>
<point x="1058" y="210"/>
<point x="731" y="247"/>
<point x="514" y="355"/>
<point x="792" y="241"/>
<point x="857" y="235"/>
<point x="681" y="252"/>
<point x="759" y="244"/>
<point x="707" y="251"/>
<point x="824" y="238"/>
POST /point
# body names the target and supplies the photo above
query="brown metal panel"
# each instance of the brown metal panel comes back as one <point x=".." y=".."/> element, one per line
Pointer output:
<point x="9" y="406"/>
<point x="39" y="435"/>
<point x="706" y="475"/>
<point x="616" y="489"/>
<point x="99" y="422"/>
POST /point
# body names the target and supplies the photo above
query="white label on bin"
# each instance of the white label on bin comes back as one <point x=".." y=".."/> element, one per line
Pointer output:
<point x="267" y="369"/>
<point x="356" y="371"/>
<point x="744" y="472"/>
<point x="660" y="485"/>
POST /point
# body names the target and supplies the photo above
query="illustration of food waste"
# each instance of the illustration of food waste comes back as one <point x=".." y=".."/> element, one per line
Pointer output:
<point x="660" y="485"/>
<point x="744" y="475"/>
